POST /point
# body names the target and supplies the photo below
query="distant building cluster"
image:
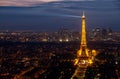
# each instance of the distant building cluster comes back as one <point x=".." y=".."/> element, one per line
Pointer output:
<point x="103" y="34"/>
<point x="62" y="35"/>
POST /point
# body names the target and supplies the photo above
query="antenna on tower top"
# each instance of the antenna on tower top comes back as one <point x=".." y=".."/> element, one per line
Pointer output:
<point x="83" y="14"/>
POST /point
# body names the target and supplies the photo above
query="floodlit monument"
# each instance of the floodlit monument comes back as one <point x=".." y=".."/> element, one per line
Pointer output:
<point x="84" y="55"/>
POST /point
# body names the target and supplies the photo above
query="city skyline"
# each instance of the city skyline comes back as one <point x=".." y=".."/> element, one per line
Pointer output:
<point x="59" y="39"/>
<point x="53" y="15"/>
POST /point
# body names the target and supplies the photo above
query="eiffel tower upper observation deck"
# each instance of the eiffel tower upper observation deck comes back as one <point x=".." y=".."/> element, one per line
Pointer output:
<point x="84" y="55"/>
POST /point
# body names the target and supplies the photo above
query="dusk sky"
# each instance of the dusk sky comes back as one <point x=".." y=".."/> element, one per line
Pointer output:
<point x="53" y="14"/>
<point x="22" y="2"/>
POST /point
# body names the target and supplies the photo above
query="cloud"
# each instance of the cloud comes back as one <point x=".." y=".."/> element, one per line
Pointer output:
<point x="22" y="2"/>
<point x="29" y="2"/>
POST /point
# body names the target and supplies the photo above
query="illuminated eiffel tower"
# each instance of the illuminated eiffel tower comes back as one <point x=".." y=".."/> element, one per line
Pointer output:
<point x="84" y="56"/>
<point x="83" y="52"/>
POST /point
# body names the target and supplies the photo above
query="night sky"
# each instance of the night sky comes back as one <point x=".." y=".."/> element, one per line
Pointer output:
<point x="50" y="15"/>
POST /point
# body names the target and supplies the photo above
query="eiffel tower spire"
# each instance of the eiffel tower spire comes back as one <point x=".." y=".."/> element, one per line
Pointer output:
<point x="83" y="51"/>
<point x="83" y="33"/>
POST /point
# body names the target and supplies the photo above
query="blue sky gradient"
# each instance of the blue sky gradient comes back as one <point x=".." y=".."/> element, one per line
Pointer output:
<point x="53" y="15"/>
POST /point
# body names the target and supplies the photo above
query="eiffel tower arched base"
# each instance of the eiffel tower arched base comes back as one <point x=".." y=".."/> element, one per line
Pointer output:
<point x="81" y="68"/>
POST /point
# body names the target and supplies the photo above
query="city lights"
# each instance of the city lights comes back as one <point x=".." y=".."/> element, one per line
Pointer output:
<point x="56" y="39"/>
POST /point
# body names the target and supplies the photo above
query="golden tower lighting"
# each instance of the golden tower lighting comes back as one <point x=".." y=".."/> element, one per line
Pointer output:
<point x="83" y="51"/>
<point x="85" y="56"/>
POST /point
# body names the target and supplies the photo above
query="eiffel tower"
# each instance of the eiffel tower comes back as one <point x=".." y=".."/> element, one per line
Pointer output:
<point x="83" y="54"/>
